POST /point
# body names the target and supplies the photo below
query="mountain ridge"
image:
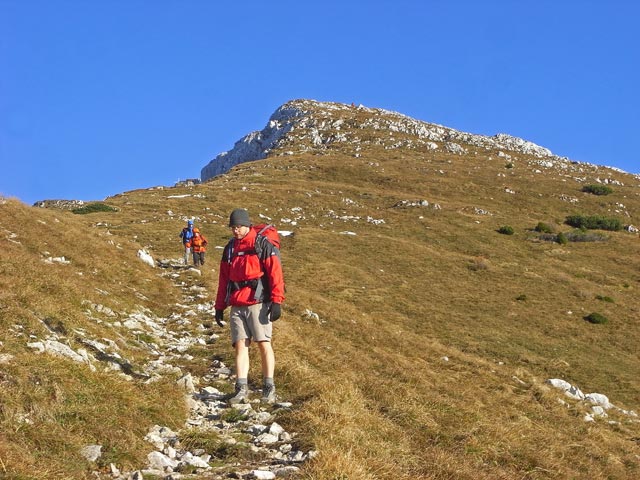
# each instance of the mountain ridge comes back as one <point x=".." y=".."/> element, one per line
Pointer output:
<point x="314" y="126"/>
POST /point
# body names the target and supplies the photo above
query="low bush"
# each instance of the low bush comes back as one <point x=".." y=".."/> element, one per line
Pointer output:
<point x="596" y="318"/>
<point x="597" y="189"/>
<point x="93" y="208"/>
<point x="604" y="298"/>
<point x="562" y="239"/>
<point x="543" y="228"/>
<point x="594" y="222"/>
<point x="506" y="230"/>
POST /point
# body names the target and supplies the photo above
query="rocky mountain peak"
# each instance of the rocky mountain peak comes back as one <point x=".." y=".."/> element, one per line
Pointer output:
<point x="301" y="126"/>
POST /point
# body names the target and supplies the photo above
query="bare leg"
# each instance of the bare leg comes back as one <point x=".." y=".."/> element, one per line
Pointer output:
<point x="242" y="358"/>
<point x="268" y="359"/>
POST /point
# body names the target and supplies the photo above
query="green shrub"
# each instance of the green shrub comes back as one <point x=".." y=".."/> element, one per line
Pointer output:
<point x="544" y="228"/>
<point x="509" y="165"/>
<point x="561" y="238"/>
<point x="597" y="189"/>
<point x="605" y="298"/>
<point x="506" y="230"/>
<point x="521" y="298"/>
<point x="596" y="318"/>
<point x="594" y="222"/>
<point x="93" y="208"/>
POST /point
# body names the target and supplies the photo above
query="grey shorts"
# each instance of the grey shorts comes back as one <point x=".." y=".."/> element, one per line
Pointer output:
<point x="251" y="322"/>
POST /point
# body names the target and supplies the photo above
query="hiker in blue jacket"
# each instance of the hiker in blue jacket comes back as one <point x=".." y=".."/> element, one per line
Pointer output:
<point x="186" y="235"/>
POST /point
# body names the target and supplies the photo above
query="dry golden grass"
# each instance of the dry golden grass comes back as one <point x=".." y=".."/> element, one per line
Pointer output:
<point x="51" y="408"/>
<point x="435" y="333"/>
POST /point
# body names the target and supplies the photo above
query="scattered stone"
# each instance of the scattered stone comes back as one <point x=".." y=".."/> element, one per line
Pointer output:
<point x="310" y="315"/>
<point x="146" y="258"/>
<point x="160" y="461"/>
<point x="52" y="260"/>
<point x="91" y="452"/>
<point x="186" y="383"/>
<point x="598" y="399"/>
<point x="569" y="390"/>
<point x="600" y="403"/>
<point x="6" y="358"/>
<point x="411" y="203"/>
<point x="262" y="474"/>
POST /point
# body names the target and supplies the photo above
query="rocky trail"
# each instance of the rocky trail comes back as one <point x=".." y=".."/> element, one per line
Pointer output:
<point x="218" y="440"/>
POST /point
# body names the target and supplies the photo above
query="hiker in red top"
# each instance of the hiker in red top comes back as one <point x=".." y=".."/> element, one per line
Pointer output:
<point x="251" y="282"/>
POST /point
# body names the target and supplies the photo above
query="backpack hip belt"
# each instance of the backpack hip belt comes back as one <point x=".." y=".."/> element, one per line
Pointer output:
<point x="244" y="283"/>
<point x="257" y="284"/>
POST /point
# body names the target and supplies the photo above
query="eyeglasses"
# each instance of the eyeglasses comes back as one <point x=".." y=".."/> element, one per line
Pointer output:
<point x="236" y="227"/>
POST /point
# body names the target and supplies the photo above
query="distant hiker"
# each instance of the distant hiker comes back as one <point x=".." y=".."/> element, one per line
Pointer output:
<point x="198" y="246"/>
<point x="252" y="283"/>
<point x="187" y="234"/>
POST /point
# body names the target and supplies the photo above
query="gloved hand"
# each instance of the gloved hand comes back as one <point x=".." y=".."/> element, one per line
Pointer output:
<point x="219" y="317"/>
<point x="275" y="312"/>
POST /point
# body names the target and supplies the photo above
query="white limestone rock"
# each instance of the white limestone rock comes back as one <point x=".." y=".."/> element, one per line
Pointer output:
<point x="569" y="390"/>
<point x="309" y="125"/>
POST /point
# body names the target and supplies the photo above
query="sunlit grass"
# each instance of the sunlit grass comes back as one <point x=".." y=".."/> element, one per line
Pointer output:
<point x="432" y="337"/>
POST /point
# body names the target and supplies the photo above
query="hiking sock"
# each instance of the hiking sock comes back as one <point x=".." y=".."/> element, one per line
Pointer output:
<point x="242" y="381"/>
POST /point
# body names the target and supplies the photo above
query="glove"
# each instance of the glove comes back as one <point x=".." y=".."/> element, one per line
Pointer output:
<point x="219" y="317"/>
<point x="275" y="312"/>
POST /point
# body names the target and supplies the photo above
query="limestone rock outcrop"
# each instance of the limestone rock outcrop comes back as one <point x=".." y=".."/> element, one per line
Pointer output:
<point x="301" y="126"/>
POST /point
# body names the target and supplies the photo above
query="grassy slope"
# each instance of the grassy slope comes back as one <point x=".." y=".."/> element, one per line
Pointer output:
<point x="51" y="408"/>
<point x="398" y="297"/>
<point x="375" y="395"/>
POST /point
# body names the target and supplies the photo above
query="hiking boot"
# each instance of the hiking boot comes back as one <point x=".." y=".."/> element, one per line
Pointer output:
<point x="268" y="394"/>
<point x="241" y="395"/>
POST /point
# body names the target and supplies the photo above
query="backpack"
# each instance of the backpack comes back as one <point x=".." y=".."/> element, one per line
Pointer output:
<point x="268" y="232"/>
<point x="264" y="233"/>
<point x="187" y="234"/>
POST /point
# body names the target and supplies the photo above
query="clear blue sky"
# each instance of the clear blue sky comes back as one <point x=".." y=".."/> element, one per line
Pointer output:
<point x="101" y="97"/>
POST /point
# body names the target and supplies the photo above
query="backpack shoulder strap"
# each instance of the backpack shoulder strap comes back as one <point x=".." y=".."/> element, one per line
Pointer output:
<point x="259" y="244"/>
<point x="227" y="254"/>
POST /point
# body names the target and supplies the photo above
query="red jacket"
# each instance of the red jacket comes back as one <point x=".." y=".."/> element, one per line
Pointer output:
<point x="244" y="266"/>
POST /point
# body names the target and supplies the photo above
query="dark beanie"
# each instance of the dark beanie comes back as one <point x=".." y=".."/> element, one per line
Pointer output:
<point x="239" y="217"/>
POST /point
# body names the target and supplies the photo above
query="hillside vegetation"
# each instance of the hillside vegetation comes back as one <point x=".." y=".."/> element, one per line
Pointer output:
<point x="416" y="339"/>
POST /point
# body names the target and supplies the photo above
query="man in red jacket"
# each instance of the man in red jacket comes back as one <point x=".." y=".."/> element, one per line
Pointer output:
<point x="252" y="283"/>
